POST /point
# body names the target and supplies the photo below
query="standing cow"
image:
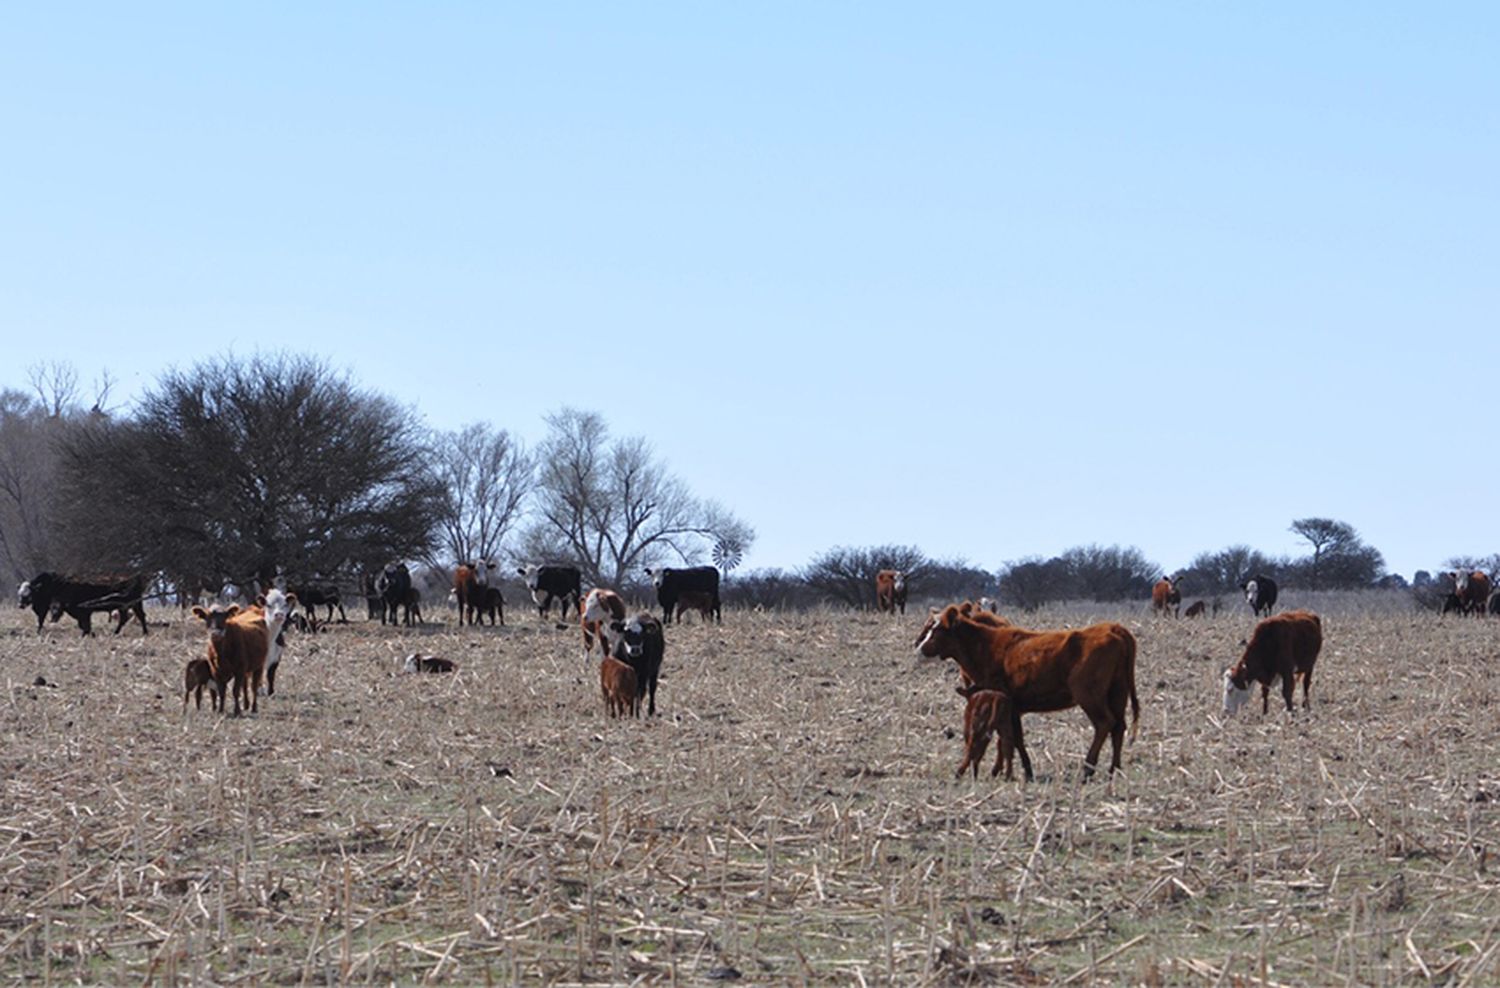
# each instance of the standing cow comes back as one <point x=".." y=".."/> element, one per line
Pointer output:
<point x="549" y="583"/>
<point x="671" y="584"/>
<point x="1286" y="645"/>
<point x="1473" y="590"/>
<point x="1165" y="597"/>
<point x="640" y="644"/>
<point x="890" y="591"/>
<point x="394" y="587"/>
<point x="1260" y="594"/>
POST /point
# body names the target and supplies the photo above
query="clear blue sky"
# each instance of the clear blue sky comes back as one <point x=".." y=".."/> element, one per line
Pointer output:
<point x="990" y="279"/>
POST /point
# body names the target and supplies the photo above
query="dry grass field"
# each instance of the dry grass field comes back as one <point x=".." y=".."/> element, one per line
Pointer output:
<point x="791" y="815"/>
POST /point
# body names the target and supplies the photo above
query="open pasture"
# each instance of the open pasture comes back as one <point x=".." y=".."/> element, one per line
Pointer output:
<point x="791" y="816"/>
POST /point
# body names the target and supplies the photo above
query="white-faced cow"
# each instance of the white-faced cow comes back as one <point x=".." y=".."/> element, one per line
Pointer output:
<point x="640" y="644"/>
<point x="600" y="608"/>
<point x="673" y="583"/>
<point x="1286" y="645"/>
<point x="890" y="591"/>
<point x="1473" y="590"/>
<point x="275" y="608"/>
<point x="548" y="583"/>
<point x="1260" y="594"/>
<point x="49" y="594"/>
<point x="1165" y="597"/>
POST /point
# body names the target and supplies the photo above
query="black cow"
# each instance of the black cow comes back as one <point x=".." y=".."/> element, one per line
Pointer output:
<point x="48" y="593"/>
<point x="1453" y="604"/>
<point x="549" y="583"/>
<point x="640" y="644"/>
<point x="312" y="596"/>
<point x="1260" y="594"/>
<point x="1495" y="602"/>
<point x="673" y="583"/>
<point x="394" y="586"/>
<point x="374" y="604"/>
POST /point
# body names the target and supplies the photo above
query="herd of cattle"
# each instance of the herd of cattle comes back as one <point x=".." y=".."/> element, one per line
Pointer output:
<point x="1005" y="671"/>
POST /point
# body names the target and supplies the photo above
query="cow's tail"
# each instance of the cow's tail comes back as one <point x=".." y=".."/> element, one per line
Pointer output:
<point x="1135" y="704"/>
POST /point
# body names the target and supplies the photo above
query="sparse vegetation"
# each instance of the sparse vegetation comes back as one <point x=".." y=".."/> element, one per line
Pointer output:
<point x="790" y="816"/>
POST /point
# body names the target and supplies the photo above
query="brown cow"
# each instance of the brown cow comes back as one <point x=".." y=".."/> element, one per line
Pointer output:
<point x="197" y="675"/>
<point x="237" y="645"/>
<point x="890" y="591"/>
<point x="988" y="713"/>
<point x="1042" y="671"/>
<point x="1473" y="591"/>
<point x="693" y="600"/>
<point x="600" y="607"/>
<point x="1197" y="608"/>
<point x="979" y="613"/>
<point x="617" y="680"/>
<point x="1286" y="645"/>
<point x="1165" y="597"/>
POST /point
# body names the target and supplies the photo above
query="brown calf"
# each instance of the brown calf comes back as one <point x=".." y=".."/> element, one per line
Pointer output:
<point x="988" y="713"/>
<point x="1286" y="645"/>
<point x="197" y="675"/>
<point x="1197" y="608"/>
<point x="694" y="600"/>
<point x="617" y="681"/>
<point x="1042" y="671"/>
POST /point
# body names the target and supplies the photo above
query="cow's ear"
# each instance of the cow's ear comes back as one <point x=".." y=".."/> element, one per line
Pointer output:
<point x="200" y="613"/>
<point x="260" y="599"/>
<point x="617" y="626"/>
<point x="949" y="616"/>
<point x="233" y="610"/>
<point x="291" y="599"/>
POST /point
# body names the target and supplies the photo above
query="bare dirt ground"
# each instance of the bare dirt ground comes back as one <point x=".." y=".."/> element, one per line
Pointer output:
<point x="791" y="815"/>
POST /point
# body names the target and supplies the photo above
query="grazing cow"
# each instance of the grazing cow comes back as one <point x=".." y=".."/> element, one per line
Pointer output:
<point x="1165" y="597"/>
<point x="313" y="596"/>
<point x="48" y="593"/>
<point x="694" y="600"/>
<point x="617" y="681"/>
<point x="673" y="583"/>
<point x="1286" y="645"/>
<point x="1196" y="609"/>
<point x="600" y="609"/>
<point x="394" y="586"/>
<point x="1473" y="590"/>
<point x="549" y="583"/>
<point x="237" y="645"/>
<point x="641" y="645"/>
<point x="416" y="662"/>
<point x="198" y="674"/>
<point x="1260" y="594"/>
<point x="374" y="602"/>
<point x="988" y="712"/>
<point x="1092" y="668"/>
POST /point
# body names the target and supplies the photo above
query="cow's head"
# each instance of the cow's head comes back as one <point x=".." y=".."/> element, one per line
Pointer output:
<point x="215" y="618"/>
<point x="656" y="575"/>
<point x="1251" y="589"/>
<point x="1236" y="690"/>
<point x="594" y="608"/>
<point x="532" y="574"/>
<point x="633" y="633"/>
<point x="934" y="640"/>
<point x="23" y="594"/>
<point x="900" y="582"/>
<point x="486" y="572"/>
<point x="277" y="606"/>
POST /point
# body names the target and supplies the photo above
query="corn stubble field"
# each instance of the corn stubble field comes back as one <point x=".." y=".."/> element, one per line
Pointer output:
<point x="790" y="816"/>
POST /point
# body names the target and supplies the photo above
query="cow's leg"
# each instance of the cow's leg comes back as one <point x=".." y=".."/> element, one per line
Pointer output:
<point x="1288" y="688"/>
<point x="1015" y="728"/>
<point x="1306" y="689"/>
<point x="1265" y="698"/>
<point x="86" y="622"/>
<point x="1103" y="722"/>
<point x="271" y="679"/>
<point x="1117" y="740"/>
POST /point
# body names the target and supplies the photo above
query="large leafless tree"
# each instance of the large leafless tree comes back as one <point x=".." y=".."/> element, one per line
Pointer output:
<point x="611" y="507"/>
<point x="486" y="476"/>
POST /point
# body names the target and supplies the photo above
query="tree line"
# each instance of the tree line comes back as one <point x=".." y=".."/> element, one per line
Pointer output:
<point x="242" y="469"/>
<point x="245" y="469"/>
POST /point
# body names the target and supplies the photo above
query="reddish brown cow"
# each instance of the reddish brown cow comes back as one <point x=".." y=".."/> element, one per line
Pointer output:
<point x="197" y="675"/>
<point x="1473" y="591"/>
<point x="1196" y="609"/>
<point x="617" y="680"/>
<point x="890" y="591"/>
<point x="1041" y="671"/>
<point x="988" y="713"/>
<point x="977" y="612"/>
<point x="237" y="646"/>
<point x="1165" y="597"/>
<point x="1286" y="645"/>
<point x="600" y="607"/>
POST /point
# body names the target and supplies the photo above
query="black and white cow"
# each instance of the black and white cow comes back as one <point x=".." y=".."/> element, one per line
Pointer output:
<point x="640" y="644"/>
<point x="394" y="586"/>
<point x="48" y="593"/>
<point x="673" y="583"/>
<point x="1260" y="594"/>
<point x="549" y="583"/>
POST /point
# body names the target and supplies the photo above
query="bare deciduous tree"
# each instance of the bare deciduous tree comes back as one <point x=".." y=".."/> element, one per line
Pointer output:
<point x="612" y="508"/>
<point x="847" y="574"/>
<point x="486" y="476"/>
<point x="28" y="466"/>
<point x="56" y="385"/>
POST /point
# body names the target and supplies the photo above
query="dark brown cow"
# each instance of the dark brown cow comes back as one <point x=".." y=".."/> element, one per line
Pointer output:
<point x="890" y="591"/>
<point x="617" y="681"/>
<point x="1165" y="597"/>
<point x="695" y="600"/>
<point x="1041" y="671"/>
<point x="1473" y="591"/>
<point x="988" y="713"/>
<point x="197" y="675"/>
<point x="1286" y="645"/>
<point x="1196" y="609"/>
